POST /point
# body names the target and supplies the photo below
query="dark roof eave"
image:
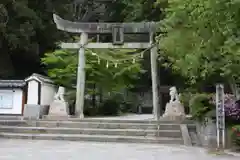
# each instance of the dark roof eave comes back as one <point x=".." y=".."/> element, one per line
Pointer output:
<point x="12" y="83"/>
<point x="12" y="87"/>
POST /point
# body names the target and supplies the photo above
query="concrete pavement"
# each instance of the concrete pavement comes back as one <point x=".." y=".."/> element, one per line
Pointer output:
<point x="64" y="150"/>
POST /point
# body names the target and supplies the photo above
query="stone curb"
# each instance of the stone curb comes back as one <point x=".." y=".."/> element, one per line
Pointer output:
<point x="185" y="135"/>
<point x="95" y="138"/>
<point x="232" y="153"/>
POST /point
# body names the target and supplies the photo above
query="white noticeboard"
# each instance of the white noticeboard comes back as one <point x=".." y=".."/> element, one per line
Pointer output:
<point x="6" y="100"/>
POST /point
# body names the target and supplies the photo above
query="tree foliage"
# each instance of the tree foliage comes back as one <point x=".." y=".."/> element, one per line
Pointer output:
<point x="134" y="10"/>
<point x="142" y="10"/>
<point x="28" y="32"/>
<point x="109" y="72"/>
<point x="201" y="39"/>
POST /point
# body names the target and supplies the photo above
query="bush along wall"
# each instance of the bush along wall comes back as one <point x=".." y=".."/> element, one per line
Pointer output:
<point x="232" y="109"/>
<point x="236" y="137"/>
<point x="201" y="107"/>
<point x="232" y="118"/>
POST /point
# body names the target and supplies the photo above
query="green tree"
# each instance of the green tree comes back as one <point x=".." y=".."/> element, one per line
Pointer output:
<point x="134" y="10"/>
<point x="201" y="39"/>
<point x="109" y="73"/>
<point x="28" y="33"/>
<point x="108" y="69"/>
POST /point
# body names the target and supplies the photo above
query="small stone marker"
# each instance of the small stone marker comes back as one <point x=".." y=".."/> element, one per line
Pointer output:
<point x="174" y="111"/>
<point x="31" y="111"/>
<point x="59" y="107"/>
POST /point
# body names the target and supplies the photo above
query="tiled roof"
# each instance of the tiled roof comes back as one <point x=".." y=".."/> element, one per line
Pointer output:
<point x="40" y="78"/>
<point x="12" y="83"/>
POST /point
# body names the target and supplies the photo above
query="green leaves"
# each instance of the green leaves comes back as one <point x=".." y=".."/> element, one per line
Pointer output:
<point x="201" y="38"/>
<point x="62" y="67"/>
<point x="135" y="10"/>
<point x="28" y="33"/>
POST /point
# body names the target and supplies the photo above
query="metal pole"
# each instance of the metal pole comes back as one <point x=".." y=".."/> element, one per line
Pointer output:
<point x="81" y="77"/>
<point x="154" y="72"/>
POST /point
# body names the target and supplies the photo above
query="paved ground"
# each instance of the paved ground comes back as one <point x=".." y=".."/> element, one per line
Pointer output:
<point x="62" y="150"/>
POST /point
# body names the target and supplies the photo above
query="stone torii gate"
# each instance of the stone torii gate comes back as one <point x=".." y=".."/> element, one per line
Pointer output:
<point x="117" y="30"/>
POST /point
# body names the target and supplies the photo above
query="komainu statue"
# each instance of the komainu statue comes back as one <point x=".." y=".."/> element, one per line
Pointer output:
<point x="60" y="94"/>
<point x="173" y="94"/>
<point x="174" y="109"/>
<point x="59" y="107"/>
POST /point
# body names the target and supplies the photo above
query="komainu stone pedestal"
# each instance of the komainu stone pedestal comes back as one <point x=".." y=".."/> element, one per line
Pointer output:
<point x="58" y="110"/>
<point x="174" y="111"/>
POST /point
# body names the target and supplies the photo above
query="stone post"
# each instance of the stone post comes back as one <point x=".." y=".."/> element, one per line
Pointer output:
<point x="154" y="72"/>
<point x="81" y="77"/>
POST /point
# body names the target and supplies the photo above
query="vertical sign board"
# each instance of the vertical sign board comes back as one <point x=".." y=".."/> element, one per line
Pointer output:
<point x="118" y="35"/>
<point x="220" y="116"/>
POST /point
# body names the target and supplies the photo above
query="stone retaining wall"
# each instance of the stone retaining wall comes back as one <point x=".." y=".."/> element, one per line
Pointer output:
<point x="207" y="133"/>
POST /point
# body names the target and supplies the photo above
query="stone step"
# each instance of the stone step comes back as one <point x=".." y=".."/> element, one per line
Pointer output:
<point x="102" y="120"/>
<point x="95" y="138"/>
<point x="13" y="122"/>
<point x="104" y="125"/>
<point x="3" y="117"/>
<point x="70" y="124"/>
<point x="93" y="131"/>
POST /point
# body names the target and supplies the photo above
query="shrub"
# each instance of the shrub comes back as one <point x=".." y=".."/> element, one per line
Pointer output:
<point x="184" y="99"/>
<point x="126" y="107"/>
<point x="110" y="107"/>
<point x="232" y="108"/>
<point x="236" y="136"/>
<point x="200" y="106"/>
<point x="89" y="109"/>
<point x="232" y="111"/>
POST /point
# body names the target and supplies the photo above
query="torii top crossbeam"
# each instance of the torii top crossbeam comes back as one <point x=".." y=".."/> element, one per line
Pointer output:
<point x="79" y="27"/>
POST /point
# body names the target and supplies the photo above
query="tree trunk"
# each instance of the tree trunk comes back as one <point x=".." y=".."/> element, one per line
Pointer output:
<point x="100" y="95"/>
<point x="94" y="96"/>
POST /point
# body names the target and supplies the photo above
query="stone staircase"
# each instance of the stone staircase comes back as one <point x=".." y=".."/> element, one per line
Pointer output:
<point x="132" y="131"/>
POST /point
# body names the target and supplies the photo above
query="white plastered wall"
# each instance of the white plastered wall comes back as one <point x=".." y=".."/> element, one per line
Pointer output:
<point x="47" y="93"/>
<point x="32" y="95"/>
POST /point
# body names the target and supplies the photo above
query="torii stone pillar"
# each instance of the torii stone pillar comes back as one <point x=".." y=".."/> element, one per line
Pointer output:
<point x="154" y="73"/>
<point x="109" y="28"/>
<point x="81" y="77"/>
